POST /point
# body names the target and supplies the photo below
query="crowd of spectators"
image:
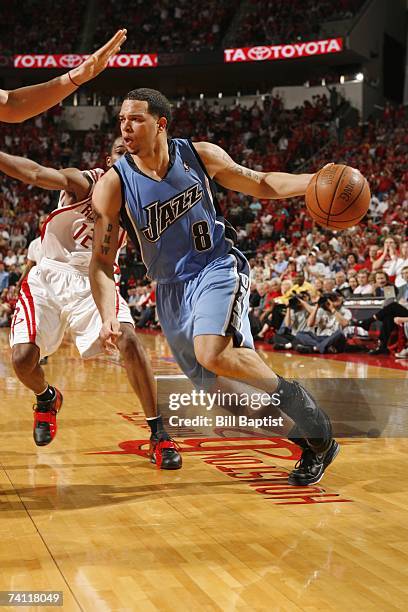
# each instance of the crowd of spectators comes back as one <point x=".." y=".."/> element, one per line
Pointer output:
<point x="166" y="26"/>
<point x="191" y="25"/>
<point x="278" y="21"/>
<point x="264" y="134"/>
<point x="369" y="260"/>
<point x="290" y="256"/>
<point x="49" y="26"/>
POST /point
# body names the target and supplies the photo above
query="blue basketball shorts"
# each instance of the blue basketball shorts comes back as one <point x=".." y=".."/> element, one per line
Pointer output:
<point x="215" y="302"/>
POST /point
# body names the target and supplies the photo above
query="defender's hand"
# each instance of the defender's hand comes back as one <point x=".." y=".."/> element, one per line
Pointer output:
<point x="98" y="61"/>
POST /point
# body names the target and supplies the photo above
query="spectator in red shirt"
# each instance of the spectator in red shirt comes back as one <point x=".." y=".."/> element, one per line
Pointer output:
<point x="149" y="312"/>
<point x="386" y="257"/>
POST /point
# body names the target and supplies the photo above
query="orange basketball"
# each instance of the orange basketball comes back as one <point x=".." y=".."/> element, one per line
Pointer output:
<point x="338" y="196"/>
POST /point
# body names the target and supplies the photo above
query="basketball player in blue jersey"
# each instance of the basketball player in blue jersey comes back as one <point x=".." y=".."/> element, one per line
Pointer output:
<point x="161" y="192"/>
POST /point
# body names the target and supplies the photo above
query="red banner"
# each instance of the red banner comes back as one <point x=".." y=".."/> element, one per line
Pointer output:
<point x="71" y="60"/>
<point x="279" y="52"/>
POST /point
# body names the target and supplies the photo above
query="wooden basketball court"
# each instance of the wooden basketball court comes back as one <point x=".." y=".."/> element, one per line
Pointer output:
<point x="90" y="516"/>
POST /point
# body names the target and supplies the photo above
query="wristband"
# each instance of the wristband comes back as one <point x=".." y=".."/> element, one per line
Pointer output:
<point x="72" y="80"/>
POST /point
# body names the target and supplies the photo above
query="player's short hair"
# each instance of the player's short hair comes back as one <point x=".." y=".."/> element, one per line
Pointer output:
<point x="157" y="103"/>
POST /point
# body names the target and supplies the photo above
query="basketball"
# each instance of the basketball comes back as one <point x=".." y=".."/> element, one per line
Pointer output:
<point x="338" y="196"/>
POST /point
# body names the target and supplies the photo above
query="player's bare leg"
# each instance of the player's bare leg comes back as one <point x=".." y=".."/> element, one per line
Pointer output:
<point x="163" y="451"/>
<point x="25" y="359"/>
<point x="312" y="429"/>
<point x="138" y="369"/>
<point x="217" y="354"/>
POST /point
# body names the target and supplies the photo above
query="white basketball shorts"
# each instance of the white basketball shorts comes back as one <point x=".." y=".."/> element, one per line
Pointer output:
<point x="54" y="298"/>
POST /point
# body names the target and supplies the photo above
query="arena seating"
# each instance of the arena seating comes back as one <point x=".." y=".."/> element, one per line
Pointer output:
<point x="166" y="26"/>
<point x="264" y="136"/>
<point x="279" y="21"/>
<point x="27" y="31"/>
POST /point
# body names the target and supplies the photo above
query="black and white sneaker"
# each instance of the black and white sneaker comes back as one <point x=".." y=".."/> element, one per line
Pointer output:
<point x="164" y="452"/>
<point x="311" y="466"/>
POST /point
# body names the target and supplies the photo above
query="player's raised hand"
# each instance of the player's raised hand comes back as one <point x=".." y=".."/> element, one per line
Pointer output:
<point x="98" y="61"/>
<point x="109" y="335"/>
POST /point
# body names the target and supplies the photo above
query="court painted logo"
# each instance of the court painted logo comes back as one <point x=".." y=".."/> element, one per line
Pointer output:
<point x="249" y="460"/>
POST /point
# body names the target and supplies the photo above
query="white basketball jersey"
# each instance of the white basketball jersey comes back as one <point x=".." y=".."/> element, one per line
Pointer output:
<point x="67" y="233"/>
<point x="34" y="252"/>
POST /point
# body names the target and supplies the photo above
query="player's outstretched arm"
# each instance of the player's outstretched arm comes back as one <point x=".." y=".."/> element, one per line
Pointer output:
<point x="21" y="104"/>
<point x="28" y="171"/>
<point x="229" y="174"/>
<point x="106" y="202"/>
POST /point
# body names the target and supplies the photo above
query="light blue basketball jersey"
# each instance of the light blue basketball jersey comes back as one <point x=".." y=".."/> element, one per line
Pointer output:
<point x="176" y="220"/>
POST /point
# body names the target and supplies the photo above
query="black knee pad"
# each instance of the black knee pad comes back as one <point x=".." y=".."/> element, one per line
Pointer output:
<point x="311" y="422"/>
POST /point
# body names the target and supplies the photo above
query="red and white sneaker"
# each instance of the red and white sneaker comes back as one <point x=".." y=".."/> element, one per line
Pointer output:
<point x="164" y="452"/>
<point x="45" y="419"/>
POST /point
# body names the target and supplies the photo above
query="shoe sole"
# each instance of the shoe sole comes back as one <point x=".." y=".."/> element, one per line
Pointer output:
<point x="330" y="457"/>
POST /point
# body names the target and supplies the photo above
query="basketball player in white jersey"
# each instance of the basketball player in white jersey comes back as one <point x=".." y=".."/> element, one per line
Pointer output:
<point x="56" y="296"/>
<point x="20" y="104"/>
<point x="33" y="254"/>
<point x="33" y="259"/>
